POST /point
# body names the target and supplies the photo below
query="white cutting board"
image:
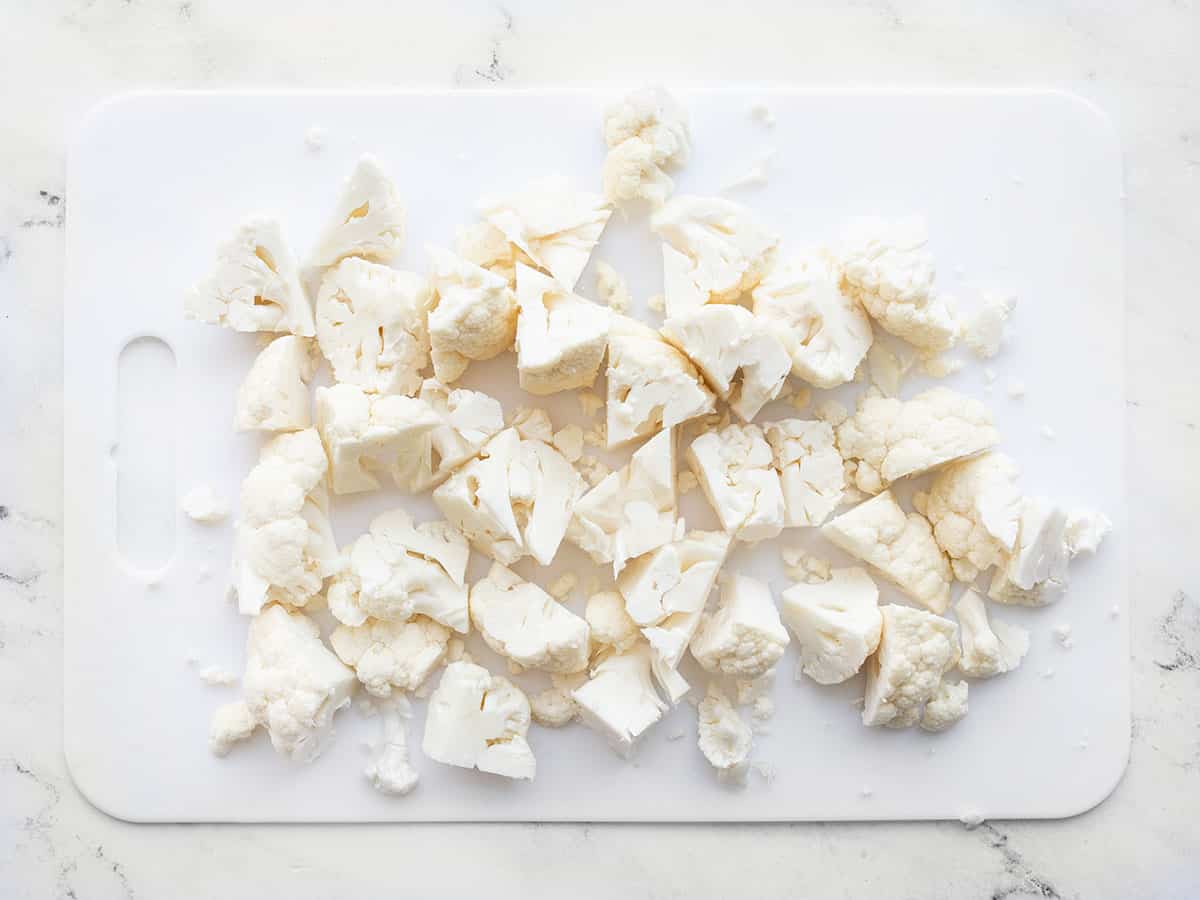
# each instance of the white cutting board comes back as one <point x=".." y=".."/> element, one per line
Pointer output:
<point x="1022" y="193"/>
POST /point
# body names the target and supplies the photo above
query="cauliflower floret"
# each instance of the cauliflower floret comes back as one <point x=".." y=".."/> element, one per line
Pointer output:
<point x="984" y="331"/>
<point x="274" y="394"/>
<point x="470" y="419"/>
<point x="739" y="356"/>
<point x="946" y="707"/>
<point x="368" y="220"/>
<point x="619" y="700"/>
<point x="1085" y="529"/>
<point x="727" y="249"/>
<point x="891" y="439"/>
<point x="231" y="724"/>
<point x="916" y="649"/>
<point x="555" y="225"/>
<point x="254" y="286"/>
<point x="561" y="338"/>
<point x="675" y="578"/>
<point x="611" y="288"/>
<point x="293" y="685"/>
<point x="203" y="504"/>
<point x="888" y="268"/>
<point x="554" y="707"/>
<point x="477" y="720"/>
<point x="610" y="624"/>
<point x="987" y="649"/>
<point x="744" y="637"/>
<point x="735" y="468"/>
<point x="646" y="133"/>
<point x="544" y="488"/>
<point x="473" y="315"/>
<point x="836" y="623"/>
<point x="389" y="769"/>
<point x="533" y="424"/>
<point x="284" y="546"/>
<point x="825" y="332"/>
<point x="1035" y="573"/>
<point x="724" y="739"/>
<point x="651" y="385"/>
<point x="371" y="326"/>
<point x="810" y="469"/>
<point x="975" y="508"/>
<point x="525" y="624"/>
<point x="485" y="245"/>
<point x="900" y="547"/>
<point x="391" y="656"/>
<point x="632" y="511"/>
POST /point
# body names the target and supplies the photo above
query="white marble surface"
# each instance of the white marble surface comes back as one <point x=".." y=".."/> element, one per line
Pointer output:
<point x="1139" y="61"/>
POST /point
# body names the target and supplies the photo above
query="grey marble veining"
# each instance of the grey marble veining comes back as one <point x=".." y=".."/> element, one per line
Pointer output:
<point x="1139" y="61"/>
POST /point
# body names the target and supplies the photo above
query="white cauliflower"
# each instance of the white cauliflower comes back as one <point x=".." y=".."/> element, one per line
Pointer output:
<point x="735" y="468"/>
<point x="367" y="221"/>
<point x="391" y="656"/>
<point x="1085" y="529"/>
<point x="836" y="623"/>
<point x="284" y="546"/>
<point x="274" y="394"/>
<point x="398" y="570"/>
<point x="473" y="315"/>
<point x="724" y="739"/>
<point x="916" y="649"/>
<point x="203" y="504"/>
<point x="371" y="326"/>
<point x="674" y="578"/>
<point x="984" y="331"/>
<point x="825" y="332"/>
<point x="609" y="623"/>
<point x="888" y="268"/>
<point x="646" y="133"/>
<point x="744" y="637"/>
<point x="975" y="508"/>
<point x="254" y="286"/>
<point x="987" y="649"/>
<point x="522" y="622"/>
<point x="619" y="700"/>
<point x="561" y="338"/>
<point x="900" y="547"/>
<point x="389" y="770"/>
<point x="469" y="420"/>
<point x="231" y="724"/>
<point x="554" y="707"/>
<point x="1035" y="573"/>
<point x="891" y="439"/>
<point x="946" y="706"/>
<point x="485" y="245"/>
<point x="810" y="469"/>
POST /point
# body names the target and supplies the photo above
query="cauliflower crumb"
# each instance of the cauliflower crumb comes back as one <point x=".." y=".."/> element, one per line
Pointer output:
<point x="203" y="504"/>
<point x="984" y="332"/>
<point x="1048" y="433"/>
<point x="940" y="366"/>
<point x="1016" y="388"/>
<point x="760" y="112"/>
<point x="612" y="287"/>
<point x="217" y="676"/>
<point x="314" y="139"/>
<point x="569" y="442"/>
<point x="533" y="424"/>
<point x="656" y="303"/>
<point x="563" y="585"/>
<point x="801" y="566"/>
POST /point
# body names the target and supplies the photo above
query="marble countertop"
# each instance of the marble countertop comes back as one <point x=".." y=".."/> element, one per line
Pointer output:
<point x="1138" y="61"/>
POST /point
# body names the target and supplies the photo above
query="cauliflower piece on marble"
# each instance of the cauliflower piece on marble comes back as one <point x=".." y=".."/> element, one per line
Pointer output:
<point x="744" y="637"/>
<point x="523" y="623"/>
<point x="674" y="578"/>
<point x="824" y="330"/>
<point x="391" y="656"/>
<point x="888" y="268"/>
<point x="975" y="509"/>
<point x="619" y="700"/>
<point x="555" y="225"/>
<point x="724" y="739"/>
<point x="367" y="221"/>
<point x="946" y="706"/>
<point x="398" y="570"/>
<point x="916" y="649"/>
<point x="561" y="337"/>
<point x="274" y="394"/>
<point x="891" y="439"/>
<point x="646" y="133"/>
<point x="254" y="286"/>
<point x="609" y="621"/>
<point x="1035" y="572"/>
<point x="739" y="356"/>
<point x="473" y="315"/>
<point x="898" y="546"/>
<point x="477" y="720"/>
<point x="987" y="648"/>
<point x="810" y="469"/>
<point x="371" y="325"/>
<point x="284" y="546"/>
<point x="836" y="623"/>
<point x="736" y="470"/>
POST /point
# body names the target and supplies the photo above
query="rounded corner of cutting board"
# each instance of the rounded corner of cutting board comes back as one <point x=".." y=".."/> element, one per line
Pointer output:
<point x="97" y="789"/>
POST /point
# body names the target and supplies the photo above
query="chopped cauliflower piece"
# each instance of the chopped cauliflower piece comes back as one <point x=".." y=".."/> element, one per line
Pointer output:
<point x="984" y="332"/>
<point x="825" y="332"/>
<point x="740" y="357"/>
<point x="611" y="288"/>
<point x="478" y="720"/>
<point x="391" y="656"/>
<point x="975" y="508"/>
<point x="946" y="707"/>
<point x="888" y="268"/>
<point x="728" y="251"/>
<point x="735" y="468"/>
<point x="274" y="394"/>
<point x="676" y="577"/>
<point x="398" y="570"/>
<point x="486" y="246"/>
<point x="651" y="385"/>
<point x="1035" y="573"/>
<point x="916" y="649"/>
<point x="891" y="439"/>
<point x="744" y="637"/>
<point x="1085" y="529"/>
<point x="533" y="424"/>
<point x="568" y="441"/>
<point x="284" y="546"/>
<point x="900" y="547"/>
<point x="469" y="420"/>
<point x="632" y="511"/>
<point x="802" y="566"/>
<point x="810" y="469"/>
<point x="646" y="133"/>
<point x="619" y="700"/>
<point x="293" y="685"/>
<point x="368" y="220"/>
<point x="254" y="286"/>
<point x="554" y="707"/>
<point x="231" y="724"/>
<point x="203" y="504"/>
<point x="887" y="369"/>
<point x="987" y="649"/>
<point x="609" y="622"/>
<point x="551" y="222"/>
<point x="836" y="623"/>
<point x="371" y="326"/>
<point x="523" y="623"/>
<point x="561" y="338"/>
<point x="473" y="315"/>
<point x="389" y="770"/>
<point x="724" y="739"/>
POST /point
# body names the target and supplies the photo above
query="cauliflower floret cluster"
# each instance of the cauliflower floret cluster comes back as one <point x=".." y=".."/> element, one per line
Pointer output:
<point x="473" y="315"/>
<point x="810" y="469"/>
<point x="367" y="221"/>
<point x="391" y="656"/>
<point x="274" y="394"/>
<point x="987" y="648"/>
<point x="561" y="338"/>
<point x="736" y="469"/>
<point x="975" y="509"/>
<point x="646" y="134"/>
<point x="836" y="623"/>
<point x="744" y="637"/>
<point x="916" y="649"/>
